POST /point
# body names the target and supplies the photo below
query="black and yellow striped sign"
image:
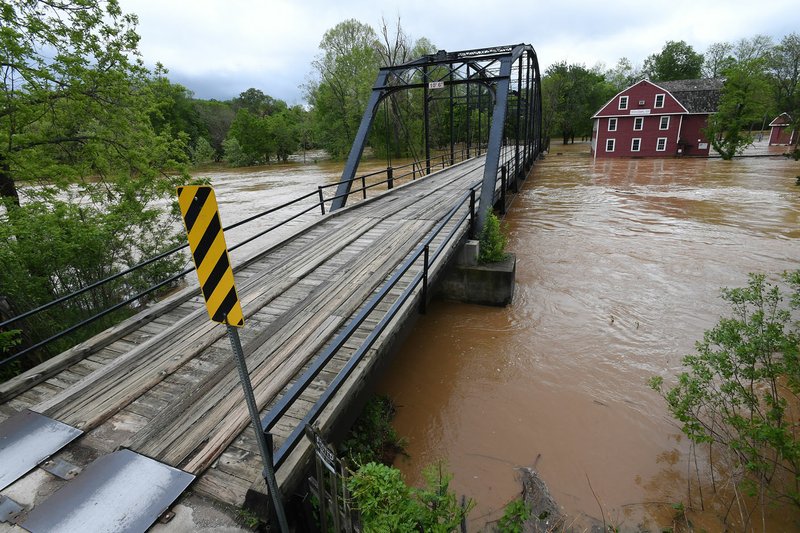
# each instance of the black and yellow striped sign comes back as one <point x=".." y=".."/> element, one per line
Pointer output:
<point x="207" y="242"/>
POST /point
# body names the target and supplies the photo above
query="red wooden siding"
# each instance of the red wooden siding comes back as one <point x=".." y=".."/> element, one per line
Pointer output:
<point x="683" y="134"/>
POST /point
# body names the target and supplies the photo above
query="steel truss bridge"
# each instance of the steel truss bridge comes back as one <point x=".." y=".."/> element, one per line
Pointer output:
<point x="117" y="426"/>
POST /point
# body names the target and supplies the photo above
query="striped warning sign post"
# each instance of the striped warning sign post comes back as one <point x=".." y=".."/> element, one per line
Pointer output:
<point x="200" y="214"/>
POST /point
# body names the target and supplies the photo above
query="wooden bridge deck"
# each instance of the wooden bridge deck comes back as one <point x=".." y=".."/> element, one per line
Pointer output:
<point x="164" y="384"/>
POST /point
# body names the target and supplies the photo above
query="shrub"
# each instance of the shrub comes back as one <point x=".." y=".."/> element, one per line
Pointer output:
<point x="514" y="517"/>
<point x="492" y="242"/>
<point x="372" y="438"/>
<point x="386" y="503"/>
<point x="742" y="384"/>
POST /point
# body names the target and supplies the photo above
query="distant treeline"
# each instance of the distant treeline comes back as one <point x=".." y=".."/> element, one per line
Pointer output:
<point x="255" y="128"/>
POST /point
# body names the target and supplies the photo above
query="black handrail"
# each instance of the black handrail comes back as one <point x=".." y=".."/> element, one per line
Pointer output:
<point x="71" y="329"/>
<point x="287" y="399"/>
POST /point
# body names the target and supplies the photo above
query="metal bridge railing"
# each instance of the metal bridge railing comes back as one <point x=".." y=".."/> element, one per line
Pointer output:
<point x="417" y="170"/>
<point x="463" y="212"/>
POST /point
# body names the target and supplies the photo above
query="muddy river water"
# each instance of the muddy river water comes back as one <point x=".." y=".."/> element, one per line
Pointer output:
<point x="619" y="265"/>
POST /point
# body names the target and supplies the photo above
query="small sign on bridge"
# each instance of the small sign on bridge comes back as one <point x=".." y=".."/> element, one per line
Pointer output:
<point x="436" y="85"/>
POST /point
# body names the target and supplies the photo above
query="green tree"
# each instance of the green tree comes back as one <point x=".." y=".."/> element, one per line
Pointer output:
<point x="717" y="58"/>
<point x="202" y="153"/>
<point x="744" y="100"/>
<point x="285" y="131"/>
<point x="75" y="99"/>
<point x="622" y="75"/>
<point x="254" y="136"/>
<point x="217" y="118"/>
<point x="174" y="113"/>
<point x="676" y="61"/>
<point x="233" y="154"/>
<point x="571" y="94"/>
<point x="755" y="48"/>
<point x="742" y="383"/>
<point x="84" y="160"/>
<point x="345" y="72"/>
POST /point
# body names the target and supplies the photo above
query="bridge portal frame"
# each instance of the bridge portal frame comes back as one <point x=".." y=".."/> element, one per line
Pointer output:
<point x="492" y="68"/>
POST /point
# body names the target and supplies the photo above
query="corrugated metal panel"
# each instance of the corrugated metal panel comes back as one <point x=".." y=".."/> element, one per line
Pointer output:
<point x="27" y="439"/>
<point x="122" y="491"/>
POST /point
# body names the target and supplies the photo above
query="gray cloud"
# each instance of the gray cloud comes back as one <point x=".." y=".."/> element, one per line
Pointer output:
<point x="220" y="48"/>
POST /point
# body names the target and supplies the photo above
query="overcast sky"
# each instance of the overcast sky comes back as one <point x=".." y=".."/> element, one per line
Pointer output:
<point x="219" y="48"/>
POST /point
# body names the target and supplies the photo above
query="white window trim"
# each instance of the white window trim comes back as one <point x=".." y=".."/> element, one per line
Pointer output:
<point x="663" y="99"/>
<point x="612" y="121"/>
<point x="660" y="140"/>
<point x="661" y="121"/>
<point x="613" y="145"/>
<point x="633" y="141"/>
<point x="640" y="122"/>
<point x="623" y="102"/>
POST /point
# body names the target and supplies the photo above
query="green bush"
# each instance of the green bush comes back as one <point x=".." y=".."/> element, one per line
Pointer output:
<point x="514" y="517"/>
<point x="742" y="384"/>
<point x="372" y="438"/>
<point x="386" y="503"/>
<point x="493" y="241"/>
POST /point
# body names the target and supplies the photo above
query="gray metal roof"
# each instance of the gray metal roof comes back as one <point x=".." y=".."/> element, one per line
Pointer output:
<point x="697" y="96"/>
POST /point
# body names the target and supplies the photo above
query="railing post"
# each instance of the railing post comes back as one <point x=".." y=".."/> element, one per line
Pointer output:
<point x="364" y="187"/>
<point x="389" y="177"/>
<point x="423" y="304"/>
<point x="472" y="213"/>
<point x="503" y="184"/>
<point x="321" y="200"/>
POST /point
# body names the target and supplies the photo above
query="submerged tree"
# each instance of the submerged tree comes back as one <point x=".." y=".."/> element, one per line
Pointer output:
<point x="744" y="100"/>
<point x="571" y="94"/>
<point x="740" y="389"/>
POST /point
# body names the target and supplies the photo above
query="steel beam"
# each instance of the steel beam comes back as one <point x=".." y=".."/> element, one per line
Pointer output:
<point x="492" y="161"/>
<point x="343" y="189"/>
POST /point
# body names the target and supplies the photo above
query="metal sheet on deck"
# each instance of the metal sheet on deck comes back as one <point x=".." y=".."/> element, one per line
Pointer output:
<point x="122" y="491"/>
<point x="27" y="439"/>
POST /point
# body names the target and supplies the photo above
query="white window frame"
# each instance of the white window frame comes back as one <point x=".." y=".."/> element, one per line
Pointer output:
<point x="623" y="102"/>
<point x="638" y="121"/>
<point x="613" y="143"/>
<point x="638" y="142"/>
<point x="662" y="142"/>
<point x="663" y="98"/>
<point x="661" y="124"/>
<point x="614" y="122"/>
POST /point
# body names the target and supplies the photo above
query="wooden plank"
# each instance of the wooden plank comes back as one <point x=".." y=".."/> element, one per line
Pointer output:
<point x="234" y="423"/>
<point x="78" y="405"/>
<point x="222" y="487"/>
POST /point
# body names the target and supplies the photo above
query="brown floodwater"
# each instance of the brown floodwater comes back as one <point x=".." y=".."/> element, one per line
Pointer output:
<point x="619" y="266"/>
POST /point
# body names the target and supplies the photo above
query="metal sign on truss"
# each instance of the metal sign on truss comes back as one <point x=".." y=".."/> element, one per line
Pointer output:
<point x="506" y="77"/>
<point x="200" y="213"/>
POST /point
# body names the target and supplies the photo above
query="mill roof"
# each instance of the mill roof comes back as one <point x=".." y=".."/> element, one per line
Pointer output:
<point x="697" y="96"/>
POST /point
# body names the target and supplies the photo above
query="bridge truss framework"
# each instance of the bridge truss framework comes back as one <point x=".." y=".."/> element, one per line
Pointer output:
<point x="509" y="75"/>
